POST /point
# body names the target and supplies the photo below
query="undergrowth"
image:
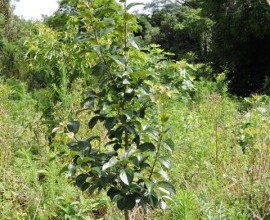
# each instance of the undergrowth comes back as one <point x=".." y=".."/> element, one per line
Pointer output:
<point x="221" y="159"/>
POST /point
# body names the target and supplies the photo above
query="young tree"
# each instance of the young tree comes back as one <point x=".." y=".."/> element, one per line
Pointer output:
<point x="130" y="162"/>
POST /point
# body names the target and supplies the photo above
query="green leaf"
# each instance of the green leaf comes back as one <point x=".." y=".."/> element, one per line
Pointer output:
<point x="137" y="140"/>
<point x="81" y="179"/>
<point x="92" y="189"/>
<point x="165" y="161"/>
<point x="142" y="112"/>
<point x="73" y="126"/>
<point x="139" y="75"/>
<point x="135" y="161"/>
<point x="106" y="31"/>
<point x="147" y="147"/>
<point x="127" y="176"/>
<point x="99" y="69"/>
<point x="164" y="185"/>
<point x="79" y="146"/>
<point x="153" y="201"/>
<point x="91" y="94"/>
<point x="117" y="147"/>
<point x="164" y="174"/>
<point x="119" y="59"/>
<point x="85" y="186"/>
<point x="127" y="203"/>
<point x="110" y="122"/>
<point x="111" y="142"/>
<point x="83" y="145"/>
<point x="129" y="128"/>
<point x="93" y="122"/>
<point x="96" y="171"/>
<point x="112" y="192"/>
<point x="113" y="161"/>
<point x="128" y="96"/>
<point x="133" y="43"/>
<point x="169" y="145"/>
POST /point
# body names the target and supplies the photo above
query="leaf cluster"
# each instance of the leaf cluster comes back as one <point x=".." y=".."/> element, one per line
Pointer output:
<point x="127" y="163"/>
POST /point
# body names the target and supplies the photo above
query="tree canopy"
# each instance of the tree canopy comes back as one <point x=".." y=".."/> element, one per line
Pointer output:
<point x="232" y="36"/>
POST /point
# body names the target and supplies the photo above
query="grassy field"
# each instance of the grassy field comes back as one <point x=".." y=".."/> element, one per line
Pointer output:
<point x="220" y="163"/>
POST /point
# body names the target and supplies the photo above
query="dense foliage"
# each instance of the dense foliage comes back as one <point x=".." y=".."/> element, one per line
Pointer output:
<point x="240" y="42"/>
<point x="232" y="35"/>
<point x="91" y="110"/>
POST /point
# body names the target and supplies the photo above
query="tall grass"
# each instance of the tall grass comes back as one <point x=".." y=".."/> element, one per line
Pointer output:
<point x="223" y="156"/>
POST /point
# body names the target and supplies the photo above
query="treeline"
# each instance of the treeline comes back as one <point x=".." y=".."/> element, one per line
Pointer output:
<point x="230" y="36"/>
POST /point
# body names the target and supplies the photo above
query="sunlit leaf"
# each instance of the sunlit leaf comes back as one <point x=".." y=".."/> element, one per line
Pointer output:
<point x="113" y="161"/>
<point x="164" y="185"/>
<point x="127" y="176"/>
<point x="165" y="161"/>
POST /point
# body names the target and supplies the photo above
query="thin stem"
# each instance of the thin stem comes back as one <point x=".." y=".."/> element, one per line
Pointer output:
<point x="126" y="215"/>
<point x="126" y="36"/>
<point x="126" y="54"/>
<point x="126" y="140"/>
<point x="157" y="153"/>
<point x="160" y="138"/>
<point x="126" y="27"/>
<point x="216" y="139"/>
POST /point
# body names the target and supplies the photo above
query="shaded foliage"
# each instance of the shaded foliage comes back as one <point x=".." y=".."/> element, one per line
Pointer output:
<point x="240" y="42"/>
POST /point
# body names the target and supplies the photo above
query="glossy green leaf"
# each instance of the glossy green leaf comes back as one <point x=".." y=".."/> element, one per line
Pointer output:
<point x="118" y="59"/>
<point x="127" y="176"/>
<point x="79" y="146"/>
<point x="135" y="161"/>
<point x="99" y="69"/>
<point x="81" y="179"/>
<point x="85" y="186"/>
<point x="73" y="126"/>
<point x="164" y="185"/>
<point x="154" y="201"/>
<point x="147" y="147"/>
<point x="110" y="122"/>
<point x="106" y="31"/>
<point x="127" y="203"/>
<point x="93" y="122"/>
<point x="117" y="147"/>
<point x="169" y="145"/>
<point x="129" y="128"/>
<point x="113" y="161"/>
<point x="112" y="192"/>
<point x="165" y="161"/>
<point x="164" y="174"/>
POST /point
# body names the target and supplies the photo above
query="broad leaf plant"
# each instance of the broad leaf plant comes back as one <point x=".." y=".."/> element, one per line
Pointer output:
<point x="131" y="162"/>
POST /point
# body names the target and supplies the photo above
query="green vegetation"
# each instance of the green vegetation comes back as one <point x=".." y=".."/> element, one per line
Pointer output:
<point x="96" y="122"/>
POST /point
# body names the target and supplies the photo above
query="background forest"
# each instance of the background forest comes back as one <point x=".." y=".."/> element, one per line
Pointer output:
<point x="107" y="114"/>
